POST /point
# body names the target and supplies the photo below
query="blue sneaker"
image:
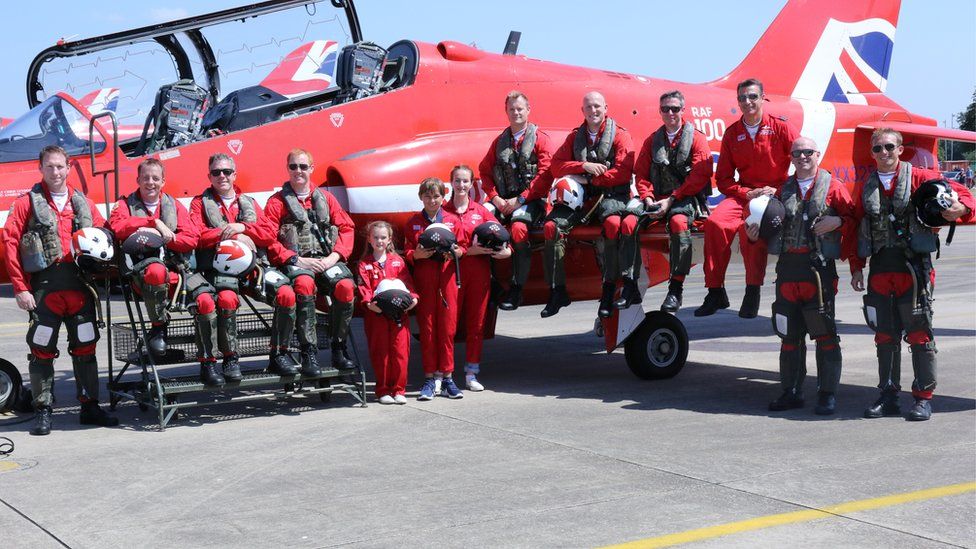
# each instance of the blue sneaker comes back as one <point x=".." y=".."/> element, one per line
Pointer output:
<point x="427" y="391"/>
<point x="450" y="389"/>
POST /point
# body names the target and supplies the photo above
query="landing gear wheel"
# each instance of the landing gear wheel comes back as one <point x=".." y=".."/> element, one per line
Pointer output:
<point x="10" y="385"/>
<point x="658" y="348"/>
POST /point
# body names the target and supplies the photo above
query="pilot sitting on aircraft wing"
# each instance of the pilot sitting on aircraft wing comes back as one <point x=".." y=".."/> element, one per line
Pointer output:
<point x="225" y="216"/>
<point x="47" y="283"/>
<point x="314" y="239"/>
<point x="156" y="217"/>
<point x="817" y="207"/>
<point x="898" y="236"/>
<point x="597" y="157"/>
<point x="673" y="172"/>
<point x="757" y="147"/>
<point x="516" y="178"/>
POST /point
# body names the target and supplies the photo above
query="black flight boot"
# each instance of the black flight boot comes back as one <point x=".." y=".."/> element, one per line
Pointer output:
<point x="826" y="404"/>
<point x="341" y="360"/>
<point x="210" y="374"/>
<point x="672" y="301"/>
<point x="156" y="340"/>
<point x="886" y="405"/>
<point x="309" y="357"/>
<point x="282" y="363"/>
<point x="232" y="369"/>
<point x="787" y="401"/>
<point x="512" y="299"/>
<point x="558" y="298"/>
<point x="42" y="421"/>
<point x="92" y="414"/>
<point x="715" y="300"/>
<point x="921" y="410"/>
<point x="629" y="294"/>
<point x="750" y="303"/>
<point x="606" y="300"/>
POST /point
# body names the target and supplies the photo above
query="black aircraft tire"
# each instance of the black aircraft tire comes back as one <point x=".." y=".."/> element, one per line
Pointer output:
<point x="10" y="386"/>
<point x="658" y="348"/>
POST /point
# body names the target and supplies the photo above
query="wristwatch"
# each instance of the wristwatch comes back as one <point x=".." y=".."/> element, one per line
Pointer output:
<point x="521" y="200"/>
<point x="293" y="260"/>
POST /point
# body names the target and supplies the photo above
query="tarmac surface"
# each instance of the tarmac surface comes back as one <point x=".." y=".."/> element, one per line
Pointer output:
<point x="565" y="448"/>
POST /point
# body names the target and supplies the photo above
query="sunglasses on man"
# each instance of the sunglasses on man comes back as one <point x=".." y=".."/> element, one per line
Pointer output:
<point x="298" y="167"/>
<point x="226" y="172"/>
<point x="670" y="109"/>
<point x="750" y="96"/>
<point x="802" y="152"/>
<point x="887" y="146"/>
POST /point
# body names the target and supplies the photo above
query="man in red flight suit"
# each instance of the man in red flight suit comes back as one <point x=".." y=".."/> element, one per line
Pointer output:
<point x="220" y="213"/>
<point x="899" y="298"/>
<point x="673" y="167"/>
<point x="758" y="147"/>
<point x="516" y="179"/>
<point x="601" y="153"/>
<point x="150" y="210"/>
<point x="315" y="237"/>
<point x="48" y="284"/>
<point x="818" y="207"/>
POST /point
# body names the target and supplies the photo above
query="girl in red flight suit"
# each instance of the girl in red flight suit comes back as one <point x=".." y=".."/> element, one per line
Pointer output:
<point x="389" y="341"/>
<point x="475" y="271"/>
<point x="436" y="286"/>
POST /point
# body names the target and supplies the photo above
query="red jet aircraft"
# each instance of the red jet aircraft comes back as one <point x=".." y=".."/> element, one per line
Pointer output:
<point x="394" y="116"/>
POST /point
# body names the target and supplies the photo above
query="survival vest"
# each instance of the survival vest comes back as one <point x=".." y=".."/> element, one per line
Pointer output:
<point x="214" y="217"/>
<point x="40" y="245"/>
<point x="602" y="153"/>
<point x="891" y="222"/>
<point x="801" y="215"/>
<point x="307" y="232"/>
<point x="670" y="166"/>
<point x="514" y="170"/>
<point x="167" y="209"/>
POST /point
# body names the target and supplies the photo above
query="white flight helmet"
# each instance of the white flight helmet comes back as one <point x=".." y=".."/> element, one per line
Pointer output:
<point x="233" y="258"/>
<point x="92" y="247"/>
<point x="390" y="284"/>
<point x="567" y="191"/>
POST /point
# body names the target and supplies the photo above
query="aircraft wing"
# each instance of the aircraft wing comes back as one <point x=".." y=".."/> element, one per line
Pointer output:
<point x="922" y="130"/>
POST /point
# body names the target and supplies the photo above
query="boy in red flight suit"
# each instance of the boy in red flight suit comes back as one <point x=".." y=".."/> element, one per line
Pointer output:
<point x="602" y="153"/>
<point x="436" y="283"/>
<point x="48" y="284"/>
<point x="515" y="177"/>
<point x="900" y="249"/>
<point x="673" y="167"/>
<point x="758" y="147"/>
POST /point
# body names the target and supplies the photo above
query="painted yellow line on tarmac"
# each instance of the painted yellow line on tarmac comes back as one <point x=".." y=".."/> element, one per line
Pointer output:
<point x="770" y="521"/>
<point x="8" y="466"/>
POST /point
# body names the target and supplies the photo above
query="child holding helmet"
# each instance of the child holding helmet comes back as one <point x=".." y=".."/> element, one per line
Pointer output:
<point x="430" y="240"/>
<point x="475" y="268"/>
<point x="386" y="289"/>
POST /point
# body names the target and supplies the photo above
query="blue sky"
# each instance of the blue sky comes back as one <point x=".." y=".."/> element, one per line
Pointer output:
<point x="933" y="67"/>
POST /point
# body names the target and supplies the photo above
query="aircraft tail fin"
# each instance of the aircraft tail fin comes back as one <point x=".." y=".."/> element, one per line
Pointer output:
<point x="824" y="50"/>
<point x="308" y="68"/>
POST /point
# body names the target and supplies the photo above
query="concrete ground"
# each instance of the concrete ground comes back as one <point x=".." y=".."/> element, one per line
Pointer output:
<point x="566" y="448"/>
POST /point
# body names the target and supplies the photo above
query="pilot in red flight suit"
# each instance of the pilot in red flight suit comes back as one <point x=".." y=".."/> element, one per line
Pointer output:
<point x="475" y="271"/>
<point x="47" y="283"/>
<point x="673" y="167"/>
<point x="600" y="154"/>
<point x="901" y="279"/>
<point x="818" y="209"/>
<point x="436" y="283"/>
<point x="515" y="177"/>
<point x="758" y="147"/>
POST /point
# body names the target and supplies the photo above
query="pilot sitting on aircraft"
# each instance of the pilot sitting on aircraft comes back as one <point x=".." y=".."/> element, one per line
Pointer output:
<point x="674" y="167"/>
<point x="222" y="213"/>
<point x="599" y="155"/>
<point x="516" y="178"/>
<point x="151" y="212"/>
<point x="48" y="284"/>
<point x="314" y="239"/>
